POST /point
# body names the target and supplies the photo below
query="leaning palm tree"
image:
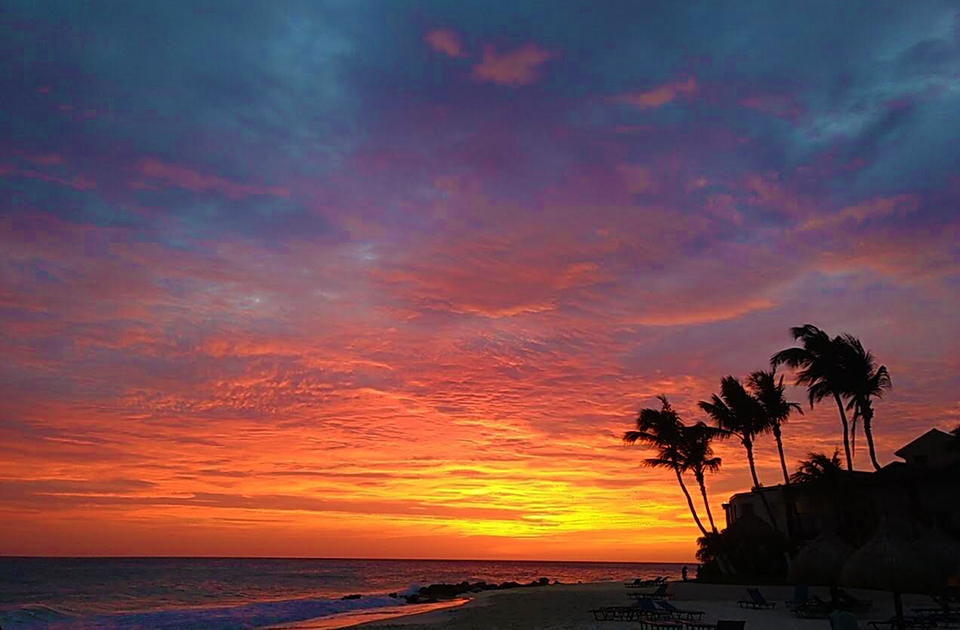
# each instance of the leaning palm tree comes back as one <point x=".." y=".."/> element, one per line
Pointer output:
<point x="738" y="413"/>
<point x="864" y="381"/>
<point x="818" y="467"/>
<point x="662" y="429"/>
<point x="819" y="361"/>
<point x="769" y="392"/>
<point x="698" y="456"/>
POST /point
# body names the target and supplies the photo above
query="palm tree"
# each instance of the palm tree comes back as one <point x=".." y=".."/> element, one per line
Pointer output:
<point x="663" y="430"/>
<point x="864" y="381"/>
<point x="820" y="366"/>
<point x="769" y="392"/>
<point x="698" y="455"/>
<point x="818" y="467"/>
<point x="738" y="413"/>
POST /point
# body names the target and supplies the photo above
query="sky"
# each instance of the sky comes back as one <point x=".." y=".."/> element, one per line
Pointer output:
<point x="390" y="279"/>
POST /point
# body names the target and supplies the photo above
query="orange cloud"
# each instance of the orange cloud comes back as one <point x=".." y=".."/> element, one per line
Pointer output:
<point x="518" y="67"/>
<point x="660" y="95"/>
<point x="445" y="41"/>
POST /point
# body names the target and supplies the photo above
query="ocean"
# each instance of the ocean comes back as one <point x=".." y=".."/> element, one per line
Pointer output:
<point x="245" y="593"/>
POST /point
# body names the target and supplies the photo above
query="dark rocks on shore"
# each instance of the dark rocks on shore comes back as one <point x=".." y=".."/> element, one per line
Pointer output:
<point x="437" y="592"/>
<point x="354" y="596"/>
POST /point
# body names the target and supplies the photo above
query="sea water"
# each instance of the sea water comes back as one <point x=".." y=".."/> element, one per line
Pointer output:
<point x="243" y="593"/>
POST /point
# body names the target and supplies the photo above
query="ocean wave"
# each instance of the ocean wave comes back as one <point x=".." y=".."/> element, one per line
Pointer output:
<point x="240" y="617"/>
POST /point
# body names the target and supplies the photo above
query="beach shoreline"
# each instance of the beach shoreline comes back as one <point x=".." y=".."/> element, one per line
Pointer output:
<point x="568" y="606"/>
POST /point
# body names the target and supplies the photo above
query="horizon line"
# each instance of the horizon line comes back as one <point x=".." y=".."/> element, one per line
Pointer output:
<point x="174" y="557"/>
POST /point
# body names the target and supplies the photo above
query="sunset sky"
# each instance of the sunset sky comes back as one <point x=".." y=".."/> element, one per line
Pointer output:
<point x="390" y="279"/>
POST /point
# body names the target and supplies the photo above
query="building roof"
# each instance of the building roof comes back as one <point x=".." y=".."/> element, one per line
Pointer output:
<point x="933" y="441"/>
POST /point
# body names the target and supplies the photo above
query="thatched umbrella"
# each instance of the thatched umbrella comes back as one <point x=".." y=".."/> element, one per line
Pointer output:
<point x="821" y="560"/>
<point x="895" y="560"/>
<point x="940" y="556"/>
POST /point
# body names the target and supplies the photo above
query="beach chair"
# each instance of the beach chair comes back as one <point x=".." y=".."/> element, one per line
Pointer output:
<point x="661" y="592"/>
<point x="648" y="610"/>
<point x="801" y="594"/>
<point x="657" y="624"/>
<point x="722" y="624"/>
<point x="757" y="601"/>
<point x="813" y="608"/>
<point x="909" y="621"/>
<point x="846" y="601"/>
<point x="638" y="611"/>
<point x="681" y="613"/>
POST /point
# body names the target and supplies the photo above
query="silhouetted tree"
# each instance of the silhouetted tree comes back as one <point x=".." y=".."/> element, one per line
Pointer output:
<point x="769" y="392"/>
<point x="819" y="362"/>
<point x="818" y="467"/>
<point x="864" y="381"/>
<point x="738" y="413"/>
<point x="697" y="451"/>
<point x="662" y="429"/>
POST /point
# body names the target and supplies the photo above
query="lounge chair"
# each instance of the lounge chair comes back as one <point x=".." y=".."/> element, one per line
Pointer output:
<point x="652" y="624"/>
<point x="813" y="608"/>
<point x="942" y="614"/>
<point x="648" y="609"/>
<point x="660" y="593"/>
<point x="639" y="610"/>
<point x="909" y="621"/>
<point x="801" y="594"/>
<point x="681" y="613"/>
<point x="644" y="583"/>
<point x="757" y="601"/>
<point x="846" y="601"/>
<point x="722" y="624"/>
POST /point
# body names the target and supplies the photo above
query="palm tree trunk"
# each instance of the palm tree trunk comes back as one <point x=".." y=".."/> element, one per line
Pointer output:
<point x="706" y="501"/>
<point x="783" y="462"/>
<point x="846" y="430"/>
<point x="693" y="510"/>
<point x="747" y="444"/>
<point x="787" y="495"/>
<point x="868" y="432"/>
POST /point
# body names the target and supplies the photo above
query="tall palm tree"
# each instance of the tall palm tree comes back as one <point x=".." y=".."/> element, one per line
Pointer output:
<point x="819" y="361"/>
<point x="662" y="429"/>
<point x="738" y="413"/>
<point x="818" y="467"/>
<point x="698" y="455"/>
<point x="769" y="392"/>
<point x="864" y="381"/>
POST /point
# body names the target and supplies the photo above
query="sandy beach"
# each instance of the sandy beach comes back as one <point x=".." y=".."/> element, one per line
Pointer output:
<point x="567" y="607"/>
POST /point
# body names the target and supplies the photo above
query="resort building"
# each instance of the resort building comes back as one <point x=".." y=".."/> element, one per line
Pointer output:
<point x="924" y="487"/>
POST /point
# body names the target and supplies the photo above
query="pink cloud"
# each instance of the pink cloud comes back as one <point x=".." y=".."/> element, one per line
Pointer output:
<point x="518" y="67"/>
<point x="445" y="41"/>
<point x="775" y="105"/>
<point x="183" y="177"/>
<point x="660" y="95"/>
